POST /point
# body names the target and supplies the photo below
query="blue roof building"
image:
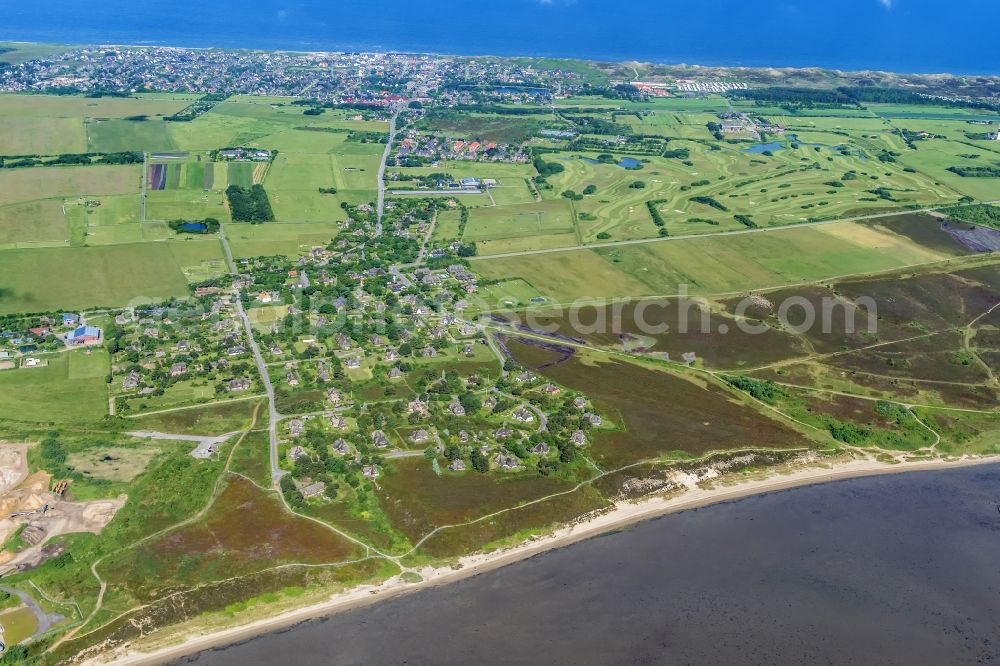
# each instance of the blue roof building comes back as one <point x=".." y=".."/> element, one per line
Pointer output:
<point x="83" y="334"/>
<point x="69" y="319"/>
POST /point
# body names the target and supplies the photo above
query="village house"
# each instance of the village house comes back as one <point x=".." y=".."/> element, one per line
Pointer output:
<point x="420" y="436"/>
<point x="505" y="461"/>
<point x="340" y="447"/>
<point x="417" y="407"/>
<point x="503" y="432"/>
<point x="395" y="373"/>
<point x="82" y="335"/>
<point x="131" y="381"/>
<point x="523" y="414"/>
<point x="370" y="471"/>
<point x="456" y="409"/>
<point x="313" y="489"/>
<point x="352" y="363"/>
<point x="296" y="427"/>
<point x="379" y="439"/>
<point x="579" y="402"/>
<point x="457" y="465"/>
<point x="338" y="422"/>
<point x="592" y="419"/>
<point x="178" y="369"/>
<point x="295" y="453"/>
<point x="541" y="448"/>
<point x="292" y="379"/>
<point x="333" y="396"/>
<point x="238" y="384"/>
<point x="578" y="438"/>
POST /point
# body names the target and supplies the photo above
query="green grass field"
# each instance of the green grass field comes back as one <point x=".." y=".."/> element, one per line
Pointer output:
<point x="34" y="280"/>
<point x="713" y="265"/>
<point x="34" y="223"/>
<point x="524" y="226"/>
<point x="18" y="185"/>
<point x="289" y="239"/>
<point x="70" y="388"/>
<point x="50" y="125"/>
<point x="116" y="135"/>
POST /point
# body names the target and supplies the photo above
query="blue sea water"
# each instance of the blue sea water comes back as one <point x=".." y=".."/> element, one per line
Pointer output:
<point x="895" y="35"/>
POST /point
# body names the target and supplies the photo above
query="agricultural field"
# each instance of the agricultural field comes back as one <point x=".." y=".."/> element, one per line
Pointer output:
<point x="17" y="185"/>
<point x="33" y="280"/>
<point x="717" y="264"/>
<point x="69" y="388"/>
<point x="500" y="229"/>
<point x="51" y="125"/>
<point x="32" y="224"/>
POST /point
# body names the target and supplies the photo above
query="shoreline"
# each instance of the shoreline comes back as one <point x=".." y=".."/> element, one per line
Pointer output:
<point x="620" y="516"/>
<point x="312" y="48"/>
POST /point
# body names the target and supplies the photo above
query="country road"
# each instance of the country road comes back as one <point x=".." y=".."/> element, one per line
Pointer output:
<point x="736" y="232"/>
<point x="272" y="412"/>
<point x="380" y="208"/>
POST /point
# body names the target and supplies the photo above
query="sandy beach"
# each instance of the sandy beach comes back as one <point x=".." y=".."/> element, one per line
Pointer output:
<point x="621" y="515"/>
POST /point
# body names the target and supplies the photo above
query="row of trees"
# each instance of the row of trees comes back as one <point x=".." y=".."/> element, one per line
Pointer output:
<point x="69" y="159"/>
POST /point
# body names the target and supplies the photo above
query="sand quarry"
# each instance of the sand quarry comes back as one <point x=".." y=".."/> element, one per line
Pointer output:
<point x="28" y="500"/>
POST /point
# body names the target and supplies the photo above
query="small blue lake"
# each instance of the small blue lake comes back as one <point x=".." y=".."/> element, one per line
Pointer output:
<point x="194" y="226"/>
<point x="765" y="147"/>
<point x="625" y="162"/>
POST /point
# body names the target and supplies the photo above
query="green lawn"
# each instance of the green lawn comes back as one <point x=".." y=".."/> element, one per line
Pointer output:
<point x="712" y="264"/>
<point x="70" y="388"/>
<point x="35" y="280"/>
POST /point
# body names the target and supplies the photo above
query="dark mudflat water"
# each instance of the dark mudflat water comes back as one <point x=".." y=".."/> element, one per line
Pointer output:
<point x="897" y="569"/>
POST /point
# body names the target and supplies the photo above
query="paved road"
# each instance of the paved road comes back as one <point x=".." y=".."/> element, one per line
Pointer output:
<point x="142" y="196"/>
<point x="737" y="232"/>
<point x="380" y="209"/>
<point x="272" y="413"/>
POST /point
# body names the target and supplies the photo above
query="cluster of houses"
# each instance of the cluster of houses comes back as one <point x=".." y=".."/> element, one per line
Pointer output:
<point x="244" y="154"/>
<point x="46" y="333"/>
<point x="161" y="346"/>
<point x="435" y="148"/>
<point x="746" y="125"/>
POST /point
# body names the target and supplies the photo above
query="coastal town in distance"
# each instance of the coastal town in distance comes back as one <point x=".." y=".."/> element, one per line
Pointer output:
<point x="287" y="333"/>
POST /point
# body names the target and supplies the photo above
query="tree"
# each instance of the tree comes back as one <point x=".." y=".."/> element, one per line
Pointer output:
<point x="479" y="462"/>
<point x="471" y="403"/>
